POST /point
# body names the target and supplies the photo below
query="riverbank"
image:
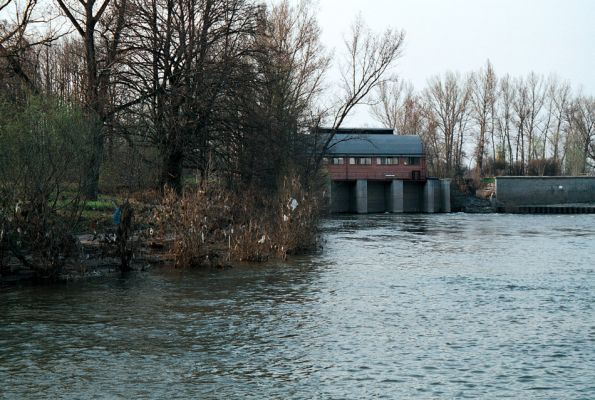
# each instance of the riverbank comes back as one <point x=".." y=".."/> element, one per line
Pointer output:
<point x="96" y="259"/>
<point x="203" y="227"/>
<point x="98" y="252"/>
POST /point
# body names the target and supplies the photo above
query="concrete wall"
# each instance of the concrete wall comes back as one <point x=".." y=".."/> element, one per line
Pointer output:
<point x="512" y="191"/>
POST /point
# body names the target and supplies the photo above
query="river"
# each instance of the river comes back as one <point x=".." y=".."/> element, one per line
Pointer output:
<point x="395" y="306"/>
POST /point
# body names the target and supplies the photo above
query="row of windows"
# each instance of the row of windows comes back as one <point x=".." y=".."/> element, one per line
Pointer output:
<point x="379" y="160"/>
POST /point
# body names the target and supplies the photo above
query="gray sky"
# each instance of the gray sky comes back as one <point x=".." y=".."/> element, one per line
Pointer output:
<point x="518" y="36"/>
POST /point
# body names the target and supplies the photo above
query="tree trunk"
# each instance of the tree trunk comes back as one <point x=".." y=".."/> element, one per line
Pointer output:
<point x="171" y="175"/>
<point x="92" y="180"/>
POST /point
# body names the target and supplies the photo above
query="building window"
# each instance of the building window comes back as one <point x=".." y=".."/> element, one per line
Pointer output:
<point x="351" y="161"/>
<point x="388" y="160"/>
<point x="411" y="161"/>
<point x="338" y="161"/>
<point x="364" y="161"/>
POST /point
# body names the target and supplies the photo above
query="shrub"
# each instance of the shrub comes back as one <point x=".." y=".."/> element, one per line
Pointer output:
<point x="45" y="149"/>
<point x="544" y="167"/>
<point x="213" y="225"/>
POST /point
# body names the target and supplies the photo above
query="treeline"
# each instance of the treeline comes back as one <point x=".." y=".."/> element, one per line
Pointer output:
<point x="210" y="86"/>
<point x="484" y="125"/>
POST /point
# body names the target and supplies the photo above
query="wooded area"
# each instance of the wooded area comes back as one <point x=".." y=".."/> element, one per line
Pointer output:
<point x="224" y="97"/>
<point x="194" y="96"/>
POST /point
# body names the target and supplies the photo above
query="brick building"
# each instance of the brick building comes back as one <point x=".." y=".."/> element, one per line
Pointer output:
<point x="374" y="170"/>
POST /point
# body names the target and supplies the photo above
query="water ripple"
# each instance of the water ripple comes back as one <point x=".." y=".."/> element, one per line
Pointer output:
<point x="397" y="306"/>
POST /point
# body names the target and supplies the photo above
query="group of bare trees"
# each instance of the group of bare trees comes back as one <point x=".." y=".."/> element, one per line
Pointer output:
<point x="224" y="88"/>
<point x="487" y="125"/>
<point x="206" y="85"/>
<point x="220" y="96"/>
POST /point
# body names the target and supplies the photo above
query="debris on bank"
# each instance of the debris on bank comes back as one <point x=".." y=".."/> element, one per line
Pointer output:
<point x="97" y="258"/>
<point x="469" y="203"/>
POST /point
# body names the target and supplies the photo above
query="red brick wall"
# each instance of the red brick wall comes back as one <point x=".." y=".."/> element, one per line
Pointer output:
<point x="375" y="171"/>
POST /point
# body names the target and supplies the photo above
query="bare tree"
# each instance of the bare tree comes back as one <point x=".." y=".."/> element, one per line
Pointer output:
<point x="447" y="102"/>
<point x="369" y="59"/>
<point x="106" y="21"/>
<point x="522" y="109"/>
<point x="483" y="100"/>
<point x="290" y="64"/>
<point x="193" y="55"/>
<point x="559" y="96"/>
<point x="62" y="70"/>
<point x="581" y="119"/>
<point x="505" y="116"/>
<point x="536" y="96"/>
<point x="19" y="40"/>
<point x="399" y="107"/>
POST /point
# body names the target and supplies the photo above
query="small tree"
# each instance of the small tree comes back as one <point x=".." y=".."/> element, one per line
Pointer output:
<point x="45" y="149"/>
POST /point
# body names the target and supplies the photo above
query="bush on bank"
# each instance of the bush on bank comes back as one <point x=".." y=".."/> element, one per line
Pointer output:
<point x="214" y="226"/>
<point x="45" y="151"/>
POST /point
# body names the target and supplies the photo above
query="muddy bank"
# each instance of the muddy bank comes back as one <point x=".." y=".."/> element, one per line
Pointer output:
<point x="96" y="258"/>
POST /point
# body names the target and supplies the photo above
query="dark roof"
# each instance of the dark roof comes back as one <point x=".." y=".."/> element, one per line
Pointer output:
<point x="349" y="144"/>
<point x="359" y="131"/>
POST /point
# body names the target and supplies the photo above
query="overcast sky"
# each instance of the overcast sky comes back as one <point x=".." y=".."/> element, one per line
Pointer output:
<point x="518" y="36"/>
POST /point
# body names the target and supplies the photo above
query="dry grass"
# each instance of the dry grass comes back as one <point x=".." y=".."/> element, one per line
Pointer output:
<point x="214" y="226"/>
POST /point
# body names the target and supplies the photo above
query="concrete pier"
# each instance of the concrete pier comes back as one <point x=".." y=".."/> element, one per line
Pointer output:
<point x="429" y="197"/>
<point x="396" y="196"/>
<point x="361" y="196"/>
<point x="445" y="191"/>
<point x="432" y="196"/>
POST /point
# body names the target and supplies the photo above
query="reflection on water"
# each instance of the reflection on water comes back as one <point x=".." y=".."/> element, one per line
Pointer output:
<point x="443" y="306"/>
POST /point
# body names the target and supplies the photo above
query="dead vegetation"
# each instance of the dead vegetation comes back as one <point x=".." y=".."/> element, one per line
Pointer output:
<point x="215" y="226"/>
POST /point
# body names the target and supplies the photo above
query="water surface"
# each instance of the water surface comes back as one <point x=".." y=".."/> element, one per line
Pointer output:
<point x="396" y="306"/>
